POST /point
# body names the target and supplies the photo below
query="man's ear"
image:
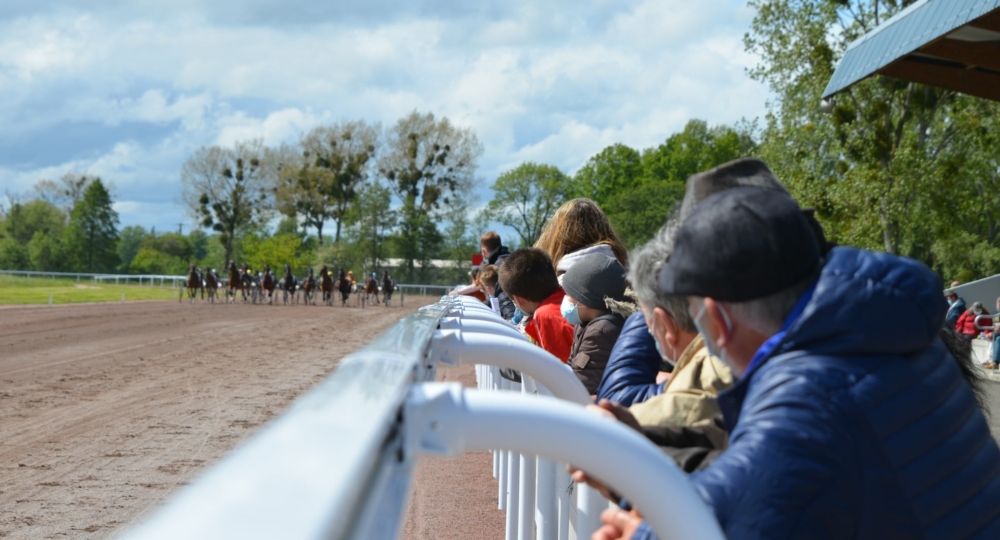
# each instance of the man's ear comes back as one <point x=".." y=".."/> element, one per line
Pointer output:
<point x="723" y="332"/>
<point x="668" y="325"/>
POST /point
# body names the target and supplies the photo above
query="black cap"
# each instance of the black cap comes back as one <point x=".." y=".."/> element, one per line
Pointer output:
<point x="594" y="278"/>
<point x="741" y="244"/>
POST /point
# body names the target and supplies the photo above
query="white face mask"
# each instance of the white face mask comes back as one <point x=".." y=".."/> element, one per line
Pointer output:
<point x="710" y="343"/>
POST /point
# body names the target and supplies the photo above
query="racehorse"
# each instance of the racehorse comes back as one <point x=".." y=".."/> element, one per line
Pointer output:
<point x="248" y="283"/>
<point x="371" y="289"/>
<point x="193" y="282"/>
<point x="326" y="285"/>
<point x="344" y="285"/>
<point x="212" y="284"/>
<point x="268" y="283"/>
<point x="309" y="288"/>
<point x="289" y="284"/>
<point x="388" y="285"/>
<point x="235" y="282"/>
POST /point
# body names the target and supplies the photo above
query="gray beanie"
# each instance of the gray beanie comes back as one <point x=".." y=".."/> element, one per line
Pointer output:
<point x="594" y="278"/>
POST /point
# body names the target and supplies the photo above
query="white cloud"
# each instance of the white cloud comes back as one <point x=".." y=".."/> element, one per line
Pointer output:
<point x="129" y="89"/>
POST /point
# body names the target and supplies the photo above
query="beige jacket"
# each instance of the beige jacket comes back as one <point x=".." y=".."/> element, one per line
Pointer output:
<point x="690" y="395"/>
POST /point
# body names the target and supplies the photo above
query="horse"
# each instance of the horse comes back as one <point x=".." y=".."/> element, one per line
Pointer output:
<point x="371" y="289"/>
<point x="326" y="285"/>
<point x="268" y="283"/>
<point x="289" y="284"/>
<point x="309" y="288"/>
<point x="344" y="285"/>
<point x="193" y="282"/>
<point x="212" y="284"/>
<point x="388" y="286"/>
<point x="235" y="282"/>
<point x="248" y="283"/>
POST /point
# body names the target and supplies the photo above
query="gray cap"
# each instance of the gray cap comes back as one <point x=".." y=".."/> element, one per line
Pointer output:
<point x="593" y="278"/>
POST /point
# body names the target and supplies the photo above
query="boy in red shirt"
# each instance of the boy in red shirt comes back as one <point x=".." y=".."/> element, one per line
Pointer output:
<point x="529" y="278"/>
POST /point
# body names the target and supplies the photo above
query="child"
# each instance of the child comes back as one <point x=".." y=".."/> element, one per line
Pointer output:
<point x="527" y="276"/>
<point x="488" y="278"/>
<point x="594" y="279"/>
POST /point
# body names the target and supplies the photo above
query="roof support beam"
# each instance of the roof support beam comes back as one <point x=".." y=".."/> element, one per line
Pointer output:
<point x="990" y="21"/>
<point x="974" y="82"/>
<point x="985" y="55"/>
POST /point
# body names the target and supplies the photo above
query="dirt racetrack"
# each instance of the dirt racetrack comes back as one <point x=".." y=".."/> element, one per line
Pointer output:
<point x="106" y="408"/>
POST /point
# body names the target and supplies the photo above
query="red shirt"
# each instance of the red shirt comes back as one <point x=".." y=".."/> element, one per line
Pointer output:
<point x="549" y="329"/>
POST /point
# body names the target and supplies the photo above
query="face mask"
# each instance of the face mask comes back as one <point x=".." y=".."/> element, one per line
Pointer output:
<point x="518" y="316"/>
<point x="710" y="343"/>
<point x="951" y="302"/>
<point x="570" y="311"/>
<point x="659" y="350"/>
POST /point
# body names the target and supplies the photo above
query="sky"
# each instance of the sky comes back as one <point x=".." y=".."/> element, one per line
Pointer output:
<point x="129" y="89"/>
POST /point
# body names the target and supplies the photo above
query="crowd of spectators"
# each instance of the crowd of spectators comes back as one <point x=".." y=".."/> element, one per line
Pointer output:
<point x="809" y="390"/>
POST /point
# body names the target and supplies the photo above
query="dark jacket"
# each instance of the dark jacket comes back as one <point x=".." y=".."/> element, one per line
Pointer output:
<point x="507" y="306"/>
<point x="498" y="256"/>
<point x="857" y="424"/>
<point x="954" y="312"/>
<point x="592" y="344"/>
<point x="630" y="376"/>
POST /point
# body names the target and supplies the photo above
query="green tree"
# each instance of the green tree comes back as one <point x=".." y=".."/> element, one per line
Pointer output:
<point x="611" y="171"/>
<point x="47" y="252"/>
<point x="427" y="161"/>
<point x="129" y="241"/>
<point x="13" y="255"/>
<point x="25" y="219"/>
<point x="227" y="188"/>
<point x="871" y="167"/>
<point x="373" y="221"/>
<point x="276" y="251"/>
<point x="324" y="183"/>
<point x="92" y="236"/>
<point x="151" y="261"/>
<point x="524" y="198"/>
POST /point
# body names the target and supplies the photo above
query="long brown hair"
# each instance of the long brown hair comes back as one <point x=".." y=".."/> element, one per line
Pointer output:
<point x="579" y="224"/>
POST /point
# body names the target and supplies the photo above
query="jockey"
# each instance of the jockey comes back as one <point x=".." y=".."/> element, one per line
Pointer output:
<point x="350" y="276"/>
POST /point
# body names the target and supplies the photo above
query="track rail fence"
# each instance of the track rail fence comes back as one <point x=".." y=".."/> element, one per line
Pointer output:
<point x="338" y="464"/>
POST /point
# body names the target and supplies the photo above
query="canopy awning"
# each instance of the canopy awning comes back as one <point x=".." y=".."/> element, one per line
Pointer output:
<point x="953" y="44"/>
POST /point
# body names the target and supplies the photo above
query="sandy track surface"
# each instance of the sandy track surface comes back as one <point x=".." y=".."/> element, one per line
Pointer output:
<point x="107" y="408"/>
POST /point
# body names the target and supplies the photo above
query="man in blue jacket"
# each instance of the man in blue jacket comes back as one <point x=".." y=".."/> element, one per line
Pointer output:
<point x="849" y="419"/>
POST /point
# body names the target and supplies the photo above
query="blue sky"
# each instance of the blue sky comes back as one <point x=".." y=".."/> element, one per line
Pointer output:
<point x="128" y="89"/>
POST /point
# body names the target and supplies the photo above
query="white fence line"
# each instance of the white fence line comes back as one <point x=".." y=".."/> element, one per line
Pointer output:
<point x="339" y="463"/>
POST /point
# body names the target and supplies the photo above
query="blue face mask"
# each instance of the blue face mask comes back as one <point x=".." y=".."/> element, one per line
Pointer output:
<point x="570" y="312"/>
<point x="518" y="316"/>
<point x="710" y="343"/>
<point x="659" y="350"/>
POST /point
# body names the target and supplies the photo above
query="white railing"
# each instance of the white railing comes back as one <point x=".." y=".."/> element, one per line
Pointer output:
<point x="338" y="464"/>
<point x="119" y="279"/>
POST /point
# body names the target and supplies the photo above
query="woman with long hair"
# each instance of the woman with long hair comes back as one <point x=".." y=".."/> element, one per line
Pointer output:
<point x="579" y="228"/>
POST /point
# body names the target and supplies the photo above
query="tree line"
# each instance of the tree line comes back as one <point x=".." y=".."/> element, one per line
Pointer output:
<point x="895" y="166"/>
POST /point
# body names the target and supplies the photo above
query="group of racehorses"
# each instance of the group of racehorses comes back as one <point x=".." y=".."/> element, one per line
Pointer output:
<point x="260" y="287"/>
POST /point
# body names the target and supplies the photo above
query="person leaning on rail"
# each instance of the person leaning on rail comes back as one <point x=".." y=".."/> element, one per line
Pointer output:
<point x="842" y="425"/>
<point x="494" y="252"/>
<point x="690" y="396"/>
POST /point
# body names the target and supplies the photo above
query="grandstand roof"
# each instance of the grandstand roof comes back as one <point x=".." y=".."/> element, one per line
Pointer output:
<point x="953" y="44"/>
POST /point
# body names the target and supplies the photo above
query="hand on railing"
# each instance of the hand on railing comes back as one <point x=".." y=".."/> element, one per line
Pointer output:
<point x="618" y="524"/>
<point x="614" y="411"/>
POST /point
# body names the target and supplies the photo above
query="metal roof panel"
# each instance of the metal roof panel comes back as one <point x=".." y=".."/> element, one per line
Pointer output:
<point x="903" y="34"/>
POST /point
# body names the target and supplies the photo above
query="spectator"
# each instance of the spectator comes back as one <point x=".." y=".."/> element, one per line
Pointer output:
<point x="579" y="228"/>
<point x="489" y="278"/>
<point x="690" y="396"/>
<point x="592" y="281"/>
<point x="493" y="252"/>
<point x="844" y="385"/>
<point x="633" y="366"/>
<point x="631" y="375"/>
<point x="994" y="362"/>
<point x="956" y="307"/>
<point x="966" y="324"/>
<point x="527" y="276"/>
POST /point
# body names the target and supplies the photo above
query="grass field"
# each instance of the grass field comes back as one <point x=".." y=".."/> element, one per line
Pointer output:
<point x="19" y="290"/>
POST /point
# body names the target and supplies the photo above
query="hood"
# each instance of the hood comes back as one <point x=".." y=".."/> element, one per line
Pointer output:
<point x="570" y="259"/>
<point x="868" y="303"/>
<point x="626" y="307"/>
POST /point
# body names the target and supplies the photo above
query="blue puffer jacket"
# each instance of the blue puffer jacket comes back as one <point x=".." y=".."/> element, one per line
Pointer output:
<point x="858" y="424"/>
<point x="631" y="373"/>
